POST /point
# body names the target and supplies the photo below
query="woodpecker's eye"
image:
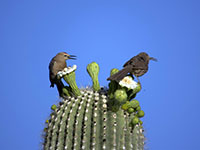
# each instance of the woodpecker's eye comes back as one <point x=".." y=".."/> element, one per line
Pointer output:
<point x="65" y="55"/>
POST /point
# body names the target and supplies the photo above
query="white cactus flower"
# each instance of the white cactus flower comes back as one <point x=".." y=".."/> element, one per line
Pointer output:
<point x="59" y="74"/>
<point x="66" y="71"/>
<point x="128" y="82"/>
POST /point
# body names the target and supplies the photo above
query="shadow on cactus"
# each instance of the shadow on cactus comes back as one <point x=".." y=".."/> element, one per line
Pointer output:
<point x="95" y="118"/>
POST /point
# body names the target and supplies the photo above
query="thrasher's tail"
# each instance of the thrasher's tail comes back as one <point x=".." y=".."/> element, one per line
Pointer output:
<point x="121" y="74"/>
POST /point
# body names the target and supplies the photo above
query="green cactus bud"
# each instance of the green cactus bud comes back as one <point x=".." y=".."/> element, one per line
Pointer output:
<point x="140" y="113"/>
<point x="137" y="89"/>
<point x="140" y="122"/>
<point x="47" y="121"/>
<point x="134" y="103"/>
<point x="120" y="95"/>
<point x="70" y="79"/>
<point x="135" y="120"/>
<point x="53" y="107"/>
<point x="113" y="71"/>
<point x="130" y="110"/>
<point x="126" y="105"/>
<point x="45" y="129"/>
<point x="138" y="108"/>
<point x="93" y="71"/>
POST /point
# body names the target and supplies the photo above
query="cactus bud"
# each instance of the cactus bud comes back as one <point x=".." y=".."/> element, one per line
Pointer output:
<point x="140" y="113"/>
<point x="140" y="122"/>
<point x="53" y="107"/>
<point x="130" y="110"/>
<point x="135" y="120"/>
<point x="138" y="108"/>
<point x="126" y="105"/>
<point x="93" y="71"/>
<point x="120" y="95"/>
<point x="134" y="103"/>
<point x="113" y="71"/>
<point x="137" y="88"/>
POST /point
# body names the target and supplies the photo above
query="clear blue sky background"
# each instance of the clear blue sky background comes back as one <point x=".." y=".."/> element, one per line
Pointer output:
<point x="109" y="32"/>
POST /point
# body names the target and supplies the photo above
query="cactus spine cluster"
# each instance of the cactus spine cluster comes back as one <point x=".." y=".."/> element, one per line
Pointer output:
<point x="94" y="118"/>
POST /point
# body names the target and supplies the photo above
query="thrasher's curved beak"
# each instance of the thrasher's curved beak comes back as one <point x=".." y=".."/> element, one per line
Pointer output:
<point x="152" y="58"/>
<point x="71" y="57"/>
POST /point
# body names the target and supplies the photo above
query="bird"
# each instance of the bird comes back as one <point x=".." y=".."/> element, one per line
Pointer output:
<point x="137" y="66"/>
<point x="58" y="63"/>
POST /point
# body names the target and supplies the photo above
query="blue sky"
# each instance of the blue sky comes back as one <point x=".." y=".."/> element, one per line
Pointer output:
<point x="109" y="32"/>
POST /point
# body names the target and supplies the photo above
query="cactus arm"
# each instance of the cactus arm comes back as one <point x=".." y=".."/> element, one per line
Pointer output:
<point x="93" y="71"/>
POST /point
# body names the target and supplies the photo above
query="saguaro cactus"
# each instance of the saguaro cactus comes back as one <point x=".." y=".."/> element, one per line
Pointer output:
<point x="88" y="119"/>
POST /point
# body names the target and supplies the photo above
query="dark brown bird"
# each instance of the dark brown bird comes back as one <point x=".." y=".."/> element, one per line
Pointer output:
<point x="137" y="66"/>
<point x="58" y="63"/>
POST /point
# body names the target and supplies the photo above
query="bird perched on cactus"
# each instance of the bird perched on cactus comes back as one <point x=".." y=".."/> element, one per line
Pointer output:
<point x="137" y="66"/>
<point x="58" y="63"/>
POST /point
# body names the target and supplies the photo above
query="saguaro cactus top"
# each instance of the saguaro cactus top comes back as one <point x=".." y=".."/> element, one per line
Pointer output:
<point x="96" y="118"/>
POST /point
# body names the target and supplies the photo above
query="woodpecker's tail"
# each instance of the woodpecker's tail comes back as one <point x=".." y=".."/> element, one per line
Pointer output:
<point x="121" y="74"/>
<point x="60" y="86"/>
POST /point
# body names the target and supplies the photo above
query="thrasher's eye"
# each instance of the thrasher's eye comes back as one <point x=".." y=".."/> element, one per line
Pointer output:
<point x="142" y="58"/>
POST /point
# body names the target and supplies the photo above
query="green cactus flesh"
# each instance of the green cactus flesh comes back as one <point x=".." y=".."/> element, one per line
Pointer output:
<point x="86" y="122"/>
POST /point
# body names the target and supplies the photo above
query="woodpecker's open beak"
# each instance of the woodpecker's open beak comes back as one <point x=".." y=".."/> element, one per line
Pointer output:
<point x="71" y="57"/>
<point x="152" y="58"/>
